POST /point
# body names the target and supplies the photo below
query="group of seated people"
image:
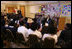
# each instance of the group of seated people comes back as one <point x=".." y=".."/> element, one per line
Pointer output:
<point x="27" y="26"/>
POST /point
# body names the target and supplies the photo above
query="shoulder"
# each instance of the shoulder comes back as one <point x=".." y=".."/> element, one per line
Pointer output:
<point x="63" y="31"/>
<point x="37" y="31"/>
<point x="54" y="36"/>
<point x="19" y="27"/>
<point x="25" y="28"/>
<point x="29" y="30"/>
<point x="46" y="35"/>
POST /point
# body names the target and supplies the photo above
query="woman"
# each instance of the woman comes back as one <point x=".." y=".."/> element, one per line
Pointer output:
<point x="35" y="30"/>
<point x="64" y="39"/>
<point x="50" y="31"/>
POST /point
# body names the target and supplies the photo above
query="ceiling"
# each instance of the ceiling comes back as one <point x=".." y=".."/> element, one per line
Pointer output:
<point x="27" y="2"/>
<point x="30" y="2"/>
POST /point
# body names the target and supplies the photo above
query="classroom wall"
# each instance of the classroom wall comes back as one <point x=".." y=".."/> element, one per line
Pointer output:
<point x="28" y="8"/>
<point x="68" y="18"/>
<point x="2" y="7"/>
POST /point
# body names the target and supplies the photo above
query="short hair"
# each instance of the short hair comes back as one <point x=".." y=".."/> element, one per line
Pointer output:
<point x="19" y="12"/>
<point x="25" y="19"/>
<point x="35" y="20"/>
<point x="52" y="29"/>
<point x="49" y="29"/>
<point x="22" y="22"/>
<point x="11" y="23"/>
<point x="34" y="26"/>
<point x="68" y="26"/>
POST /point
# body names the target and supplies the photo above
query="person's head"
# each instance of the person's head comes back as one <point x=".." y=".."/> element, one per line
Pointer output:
<point x="16" y="25"/>
<point x="22" y="23"/>
<point x="34" y="26"/>
<point x="68" y="26"/>
<point x="35" y="20"/>
<point x="19" y="12"/>
<point x="30" y="20"/>
<point x="52" y="30"/>
<point x="11" y="23"/>
<point x="51" y="23"/>
<point x="25" y="19"/>
<point x="49" y="29"/>
<point x="44" y="29"/>
<point x="48" y="16"/>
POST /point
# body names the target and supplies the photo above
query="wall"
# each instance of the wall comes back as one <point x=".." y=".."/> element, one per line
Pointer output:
<point x="2" y="7"/>
<point x="31" y="10"/>
<point x="68" y="18"/>
<point x="28" y="6"/>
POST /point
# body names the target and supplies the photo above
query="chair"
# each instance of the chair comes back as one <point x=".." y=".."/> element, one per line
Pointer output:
<point x="48" y="43"/>
<point x="9" y="35"/>
<point x="2" y="35"/>
<point x="20" y="38"/>
<point x="33" y="41"/>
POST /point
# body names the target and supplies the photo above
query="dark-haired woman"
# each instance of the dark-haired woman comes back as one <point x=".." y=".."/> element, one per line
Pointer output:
<point x="50" y="31"/>
<point x="64" y="39"/>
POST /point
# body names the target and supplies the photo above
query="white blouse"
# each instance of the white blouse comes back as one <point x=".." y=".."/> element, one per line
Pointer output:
<point x="24" y="31"/>
<point x="49" y="35"/>
<point x="35" y="33"/>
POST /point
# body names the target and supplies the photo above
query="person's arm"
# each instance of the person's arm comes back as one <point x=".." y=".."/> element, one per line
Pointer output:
<point x="43" y="22"/>
<point x="61" y="38"/>
<point x="61" y="35"/>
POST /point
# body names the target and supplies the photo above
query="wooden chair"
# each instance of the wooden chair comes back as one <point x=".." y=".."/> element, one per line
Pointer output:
<point x="9" y="35"/>
<point x="33" y="41"/>
<point x="48" y="43"/>
<point x="2" y="35"/>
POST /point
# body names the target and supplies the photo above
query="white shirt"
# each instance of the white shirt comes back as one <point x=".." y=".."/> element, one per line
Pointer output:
<point x="49" y="35"/>
<point x="30" y="32"/>
<point x="38" y="33"/>
<point x="47" y="19"/>
<point x="24" y="31"/>
<point x="35" y="33"/>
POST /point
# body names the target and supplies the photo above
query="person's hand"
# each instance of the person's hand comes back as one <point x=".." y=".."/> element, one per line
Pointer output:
<point x="40" y="29"/>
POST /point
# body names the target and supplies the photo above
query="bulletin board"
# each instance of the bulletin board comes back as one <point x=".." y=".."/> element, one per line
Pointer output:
<point x="10" y="9"/>
<point x="52" y="9"/>
<point x="66" y="10"/>
<point x="65" y="14"/>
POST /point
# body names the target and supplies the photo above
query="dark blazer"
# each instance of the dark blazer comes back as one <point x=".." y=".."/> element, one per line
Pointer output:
<point x="65" y="39"/>
<point x="65" y="35"/>
<point x="45" y="21"/>
<point x="2" y="22"/>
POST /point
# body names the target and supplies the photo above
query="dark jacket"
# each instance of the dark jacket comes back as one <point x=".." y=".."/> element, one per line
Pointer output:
<point x="65" y="39"/>
<point x="65" y="35"/>
<point x="45" y="21"/>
